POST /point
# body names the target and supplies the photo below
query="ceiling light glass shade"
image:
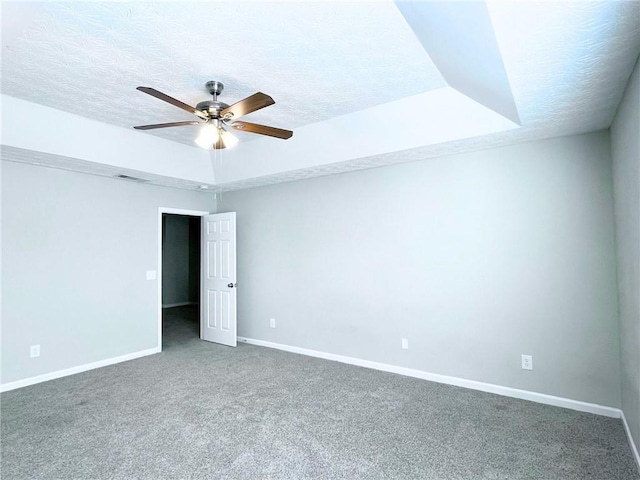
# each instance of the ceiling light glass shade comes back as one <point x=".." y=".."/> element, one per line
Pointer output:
<point x="208" y="136"/>
<point x="229" y="139"/>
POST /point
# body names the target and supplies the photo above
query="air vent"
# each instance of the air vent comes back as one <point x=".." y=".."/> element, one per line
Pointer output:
<point x="130" y="178"/>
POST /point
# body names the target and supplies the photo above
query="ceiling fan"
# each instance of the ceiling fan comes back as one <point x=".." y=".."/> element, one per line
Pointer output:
<point x="215" y="116"/>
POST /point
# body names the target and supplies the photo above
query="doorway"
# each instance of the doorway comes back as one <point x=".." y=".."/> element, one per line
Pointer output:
<point x="179" y="277"/>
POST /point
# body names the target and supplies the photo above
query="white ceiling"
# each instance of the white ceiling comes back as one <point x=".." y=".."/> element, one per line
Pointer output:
<point x="316" y="59"/>
<point x="566" y="64"/>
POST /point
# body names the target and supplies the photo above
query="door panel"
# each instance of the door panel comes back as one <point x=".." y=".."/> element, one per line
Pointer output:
<point x="218" y="313"/>
<point x="212" y="316"/>
<point x="225" y="259"/>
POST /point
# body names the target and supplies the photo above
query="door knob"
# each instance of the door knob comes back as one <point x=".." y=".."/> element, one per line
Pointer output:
<point x="231" y="285"/>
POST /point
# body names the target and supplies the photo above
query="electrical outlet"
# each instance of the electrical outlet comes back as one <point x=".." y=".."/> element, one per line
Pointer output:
<point x="272" y="322"/>
<point x="405" y="344"/>
<point x="151" y="275"/>
<point x="527" y="362"/>
<point x="34" y="351"/>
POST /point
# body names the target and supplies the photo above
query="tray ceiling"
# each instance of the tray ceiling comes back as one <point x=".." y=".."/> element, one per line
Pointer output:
<point x="326" y="63"/>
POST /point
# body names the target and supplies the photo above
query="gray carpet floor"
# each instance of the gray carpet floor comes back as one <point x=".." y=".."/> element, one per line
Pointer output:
<point x="200" y="411"/>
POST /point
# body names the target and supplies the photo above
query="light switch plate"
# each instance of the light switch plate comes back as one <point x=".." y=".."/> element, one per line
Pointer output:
<point x="151" y="275"/>
<point x="34" y="351"/>
<point x="527" y="362"/>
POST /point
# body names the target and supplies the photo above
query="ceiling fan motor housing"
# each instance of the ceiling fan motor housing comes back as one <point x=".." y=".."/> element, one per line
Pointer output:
<point x="212" y="108"/>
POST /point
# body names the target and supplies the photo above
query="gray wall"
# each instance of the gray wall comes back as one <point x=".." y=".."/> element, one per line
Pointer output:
<point x="180" y="260"/>
<point x="75" y="250"/>
<point x="625" y="148"/>
<point x="475" y="258"/>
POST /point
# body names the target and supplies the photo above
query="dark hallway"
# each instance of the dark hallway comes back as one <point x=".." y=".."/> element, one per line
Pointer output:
<point x="180" y="326"/>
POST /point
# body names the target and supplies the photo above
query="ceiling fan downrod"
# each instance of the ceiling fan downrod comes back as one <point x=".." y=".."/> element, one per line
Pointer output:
<point x="213" y="107"/>
<point x="214" y="88"/>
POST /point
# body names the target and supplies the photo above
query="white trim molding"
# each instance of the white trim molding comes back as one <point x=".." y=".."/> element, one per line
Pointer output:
<point x="5" y="387"/>
<point x="459" y="382"/>
<point x="634" y="449"/>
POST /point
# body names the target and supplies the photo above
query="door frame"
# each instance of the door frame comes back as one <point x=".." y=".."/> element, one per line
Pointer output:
<point x="174" y="211"/>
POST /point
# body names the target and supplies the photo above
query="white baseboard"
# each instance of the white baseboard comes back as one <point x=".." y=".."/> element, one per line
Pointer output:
<point x="459" y="382"/>
<point x="179" y="304"/>
<point x="5" y="387"/>
<point x="634" y="449"/>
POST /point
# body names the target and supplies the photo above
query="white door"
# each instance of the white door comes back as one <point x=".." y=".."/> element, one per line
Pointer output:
<point x="218" y="266"/>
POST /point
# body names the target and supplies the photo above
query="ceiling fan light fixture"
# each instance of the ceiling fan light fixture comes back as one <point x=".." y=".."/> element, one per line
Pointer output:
<point x="228" y="138"/>
<point x="208" y="135"/>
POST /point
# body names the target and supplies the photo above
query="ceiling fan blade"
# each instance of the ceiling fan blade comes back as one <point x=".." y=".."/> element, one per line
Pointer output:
<point x="165" y="125"/>
<point x="176" y="103"/>
<point x="262" y="130"/>
<point x="250" y="104"/>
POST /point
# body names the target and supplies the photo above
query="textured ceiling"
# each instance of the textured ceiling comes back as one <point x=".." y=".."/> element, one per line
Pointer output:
<point x="567" y="69"/>
<point x="316" y="59"/>
<point x="571" y="64"/>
